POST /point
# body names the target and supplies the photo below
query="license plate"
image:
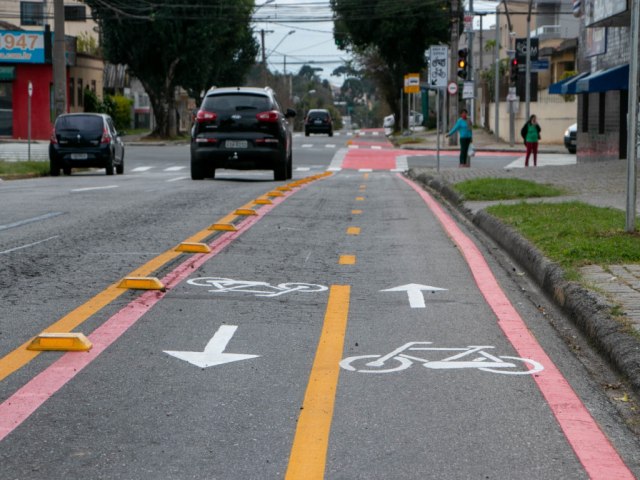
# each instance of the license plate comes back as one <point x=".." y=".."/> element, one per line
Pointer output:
<point x="78" y="156"/>
<point x="318" y="122"/>
<point x="236" y="144"/>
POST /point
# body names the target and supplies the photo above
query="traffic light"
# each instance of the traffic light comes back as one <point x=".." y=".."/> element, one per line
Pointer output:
<point x="462" y="63"/>
<point x="340" y="39"/>
<point x="513" y="73"/>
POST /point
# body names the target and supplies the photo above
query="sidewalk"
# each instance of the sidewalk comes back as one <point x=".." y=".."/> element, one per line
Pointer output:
<point x="601" y="184"/>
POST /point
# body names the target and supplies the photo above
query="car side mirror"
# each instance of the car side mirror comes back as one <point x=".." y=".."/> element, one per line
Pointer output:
<point x="290" y="113"/>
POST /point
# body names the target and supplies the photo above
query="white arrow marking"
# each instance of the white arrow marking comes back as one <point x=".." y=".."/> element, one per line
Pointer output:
<point x="414" y="291"/>
<point x="214" y="351"/>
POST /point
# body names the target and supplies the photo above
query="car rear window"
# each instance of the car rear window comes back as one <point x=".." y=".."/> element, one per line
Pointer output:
<point x="80" y="122"/>
<point x="236" y="102"/>
<point x="321" y="115"/>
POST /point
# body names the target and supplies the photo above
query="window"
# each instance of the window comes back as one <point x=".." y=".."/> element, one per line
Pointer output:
<point x="75" y="13"/>
<point x="31" y="13"/>
<point x="72" y="93"/>
<point x="80" y="94"/>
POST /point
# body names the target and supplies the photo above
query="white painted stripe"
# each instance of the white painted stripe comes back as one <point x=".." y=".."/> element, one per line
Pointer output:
<point x="402" y="163"/>
<point x="174" y="169"/>
<point x="88" y="189"/>
<point x="307" y="145"/>
<point x="303" y="169"/>
<point x="141" y="169"/>
<point x="30" y="220"/>
<point x="177" y="179"/>
<point x="376" y="147"/>
<point x="336" y="161"/>
<point x="354" y="146"/>
<point x="330" y="145"/>
<point x="375" y="134"/>
<point x="28" y="245"/>
<point x="365" y="170"/>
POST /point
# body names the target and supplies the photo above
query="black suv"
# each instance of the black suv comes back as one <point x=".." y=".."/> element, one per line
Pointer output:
<point x="85" y="140"/>
<point x="241" y="128"/>
<point x="318" y="121"/>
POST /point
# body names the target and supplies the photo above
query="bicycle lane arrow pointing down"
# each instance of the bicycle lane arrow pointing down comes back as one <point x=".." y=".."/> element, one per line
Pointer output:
<point x="414" y="291"/>
<point x="213" y="353"/>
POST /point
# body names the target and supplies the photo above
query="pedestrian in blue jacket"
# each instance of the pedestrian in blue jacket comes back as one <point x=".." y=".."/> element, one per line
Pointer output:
<point x="463" y="125"/>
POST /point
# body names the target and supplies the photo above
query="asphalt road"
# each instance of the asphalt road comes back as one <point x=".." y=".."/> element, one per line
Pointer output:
<point x="342" y="368"/>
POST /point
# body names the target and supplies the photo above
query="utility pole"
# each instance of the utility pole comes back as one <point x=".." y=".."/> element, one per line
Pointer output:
<point x="496" y="73"/>
<point x="453" y="67"/>
<point x="59" y="60"/>
<point x="632" y="122"/>
<point x="470" y="62"/>
<point x="527" y="77"/>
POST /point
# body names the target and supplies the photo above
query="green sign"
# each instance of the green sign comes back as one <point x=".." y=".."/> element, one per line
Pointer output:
<point x="7" y="73"/>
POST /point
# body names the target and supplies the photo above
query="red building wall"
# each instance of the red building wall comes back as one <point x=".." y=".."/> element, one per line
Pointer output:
<point x="41" y="77"/>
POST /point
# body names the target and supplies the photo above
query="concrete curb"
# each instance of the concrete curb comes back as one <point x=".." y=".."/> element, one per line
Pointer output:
<point x="589" y="311"/>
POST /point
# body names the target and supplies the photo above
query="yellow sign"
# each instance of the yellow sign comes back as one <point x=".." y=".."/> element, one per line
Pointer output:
<point x="412" y="83"/>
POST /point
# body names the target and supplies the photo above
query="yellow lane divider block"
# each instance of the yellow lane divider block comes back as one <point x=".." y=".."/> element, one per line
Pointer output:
<point x="284" y="188"/>
<point x="275" y="194"/>
<point x="347" y="260"/>
<point x="141" y="283"/>
<point x="67" y="342"/>
<point x="223" y="227"/>
<point x="356" y="212"/>
<point x="359" y="199"/>
<point x="263" y="201"/>
<point x="246" y="212"/>
<point x="353" y="231"/>
<point x="191" y="247"/>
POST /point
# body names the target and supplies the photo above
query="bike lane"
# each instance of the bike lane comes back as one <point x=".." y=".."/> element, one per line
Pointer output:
<point x="431" y="412"/>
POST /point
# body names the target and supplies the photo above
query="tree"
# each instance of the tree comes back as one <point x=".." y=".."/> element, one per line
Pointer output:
<point x="171" y="43"/>
<point x="391" y="37"/>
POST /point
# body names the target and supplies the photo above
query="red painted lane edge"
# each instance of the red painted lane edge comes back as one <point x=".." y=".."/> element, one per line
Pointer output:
<point x="19" y="406"/>
<point x="594" y="450"/>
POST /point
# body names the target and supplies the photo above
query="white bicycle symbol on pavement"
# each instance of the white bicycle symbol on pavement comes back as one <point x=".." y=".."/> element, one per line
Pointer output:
<point x="259" y="289"/>
<point x="468" y="357"/>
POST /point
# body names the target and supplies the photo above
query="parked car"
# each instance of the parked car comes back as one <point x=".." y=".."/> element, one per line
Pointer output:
<point x="570" y="138"/>
<point x="318" y="121"/>
<point x="85" y="140"/>
<point x="241" y="128"/>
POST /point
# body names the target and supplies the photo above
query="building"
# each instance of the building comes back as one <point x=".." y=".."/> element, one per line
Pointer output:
<point x="25" y="59"/>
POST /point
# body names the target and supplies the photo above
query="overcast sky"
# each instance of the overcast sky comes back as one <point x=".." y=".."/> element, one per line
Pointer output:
<point x="312" y="42"/>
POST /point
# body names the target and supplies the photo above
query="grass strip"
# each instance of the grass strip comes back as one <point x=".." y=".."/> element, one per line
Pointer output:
<point x="487" y="189"/>
<point x="23" y="169"/>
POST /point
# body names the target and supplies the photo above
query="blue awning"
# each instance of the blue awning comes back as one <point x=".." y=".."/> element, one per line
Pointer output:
<point x="616" y="78"/>
<point x="556" y="88"/>
<point x="569" y="87"/>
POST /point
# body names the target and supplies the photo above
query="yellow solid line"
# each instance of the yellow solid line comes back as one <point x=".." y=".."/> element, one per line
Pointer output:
<point x="356" y="212"/>
<point x="353" y="231"/>
<point x="359" y="199"/>
<point x="309" y="450"/>
<point x="347" y="260"/>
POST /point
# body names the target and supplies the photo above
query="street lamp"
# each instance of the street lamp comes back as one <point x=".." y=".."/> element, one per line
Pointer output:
<point x="291" y="32"/>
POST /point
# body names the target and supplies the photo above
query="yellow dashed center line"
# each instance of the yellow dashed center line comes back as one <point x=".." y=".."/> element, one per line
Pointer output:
<point x="347" y="260"/>
<point x="353" y="231"/>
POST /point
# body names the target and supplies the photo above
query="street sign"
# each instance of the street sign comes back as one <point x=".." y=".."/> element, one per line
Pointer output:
<point x="412" y="83"/>
<point x="540" y="65"/>
<point x="511" y="96"/>
<point x="467" y="90"/>
<point x="438" y="66"/>
<point x="452" y="88"/>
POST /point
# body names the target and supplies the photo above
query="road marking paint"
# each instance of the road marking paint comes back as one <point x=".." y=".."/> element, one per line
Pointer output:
<point x="88" y="189"/>
<point x="30" y="220"/>
<point x="330" y="145"/>
<point x="356" y="212"/>
<point x="347" y="260"/>
<point x="307" y="145"/>
<point x="598" y="457"/>
<point x="353" y="231"/>
<point x="402" y="163"/>
<point x="141" y="169"/>
<point x="303" y="169"/>
<point x="365" y="170"/>
<point x="174" y="169"/>
<point x="359" y="199"/>
<point x="19" y="406"/>
<point x="29" y="245"/>
<point x="177" y="179"/>
<point x="309" y="451"/>
<point x="19" y="357"/>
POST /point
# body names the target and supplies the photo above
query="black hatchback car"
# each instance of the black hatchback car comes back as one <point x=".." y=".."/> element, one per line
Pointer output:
<point x="318" y="121"/>
<point x="85" y="140"/>
<point x="241" y="128"/>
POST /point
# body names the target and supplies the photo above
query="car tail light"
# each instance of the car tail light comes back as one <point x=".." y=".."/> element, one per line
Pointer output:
<point x="266" y="141"/>
<point x="206" y="140"/>
<point x="54" y="139"/>
<point x="204" y="116"/>
<point x="106" y="138"/>
<point x="271" y="116"/>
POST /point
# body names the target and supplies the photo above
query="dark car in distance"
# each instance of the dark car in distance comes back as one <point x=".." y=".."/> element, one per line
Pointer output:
<point x="241" y="128"/>
<point x="570" y="138"/>
<point x="318" y="121"/>
<point x="85" y="140"/>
